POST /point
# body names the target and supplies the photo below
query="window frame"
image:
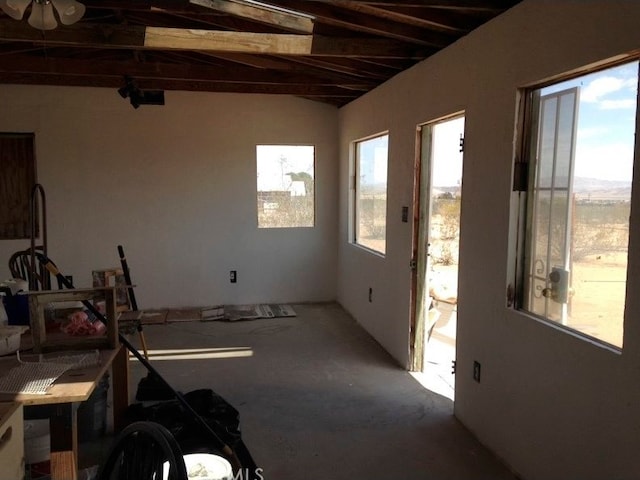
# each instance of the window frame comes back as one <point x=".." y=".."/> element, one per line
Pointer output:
<point x="356" y="213"/>
<point x="313" y="186"/>
<point x="524" y="167"/>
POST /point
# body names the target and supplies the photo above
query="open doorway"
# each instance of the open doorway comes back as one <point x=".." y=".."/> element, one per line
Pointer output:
<point x="436" y="248"/>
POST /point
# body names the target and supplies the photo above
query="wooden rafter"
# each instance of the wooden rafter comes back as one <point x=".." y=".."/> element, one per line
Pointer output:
<point x="496" y="5"/>
<point x="370" y="24"/>
<point x="218" y="41"/>
<point x="434" y="18"/>
<point x="186" y="85"/>
<point x="167" y="71"/>
<point x="284" y="20"/>
<point x="331" y="51"/>
<point x="135" y="37"/>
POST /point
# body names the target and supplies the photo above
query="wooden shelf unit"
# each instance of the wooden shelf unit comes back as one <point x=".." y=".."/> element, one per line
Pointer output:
<point x="38" y="302"/>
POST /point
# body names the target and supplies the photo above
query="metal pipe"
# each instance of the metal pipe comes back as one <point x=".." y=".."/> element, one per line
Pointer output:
<point x="33" y="273"/>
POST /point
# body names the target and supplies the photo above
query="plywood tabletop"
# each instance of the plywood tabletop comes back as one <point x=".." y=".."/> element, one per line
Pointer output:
<point x="73" y="386"/>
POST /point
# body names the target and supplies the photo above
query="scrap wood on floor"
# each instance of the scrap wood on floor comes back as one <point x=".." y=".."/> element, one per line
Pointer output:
<point x="184" y="315"/>
<point x="154" y="317"/>
<point x="232" y="313"/>
<point x="228" y="313"/>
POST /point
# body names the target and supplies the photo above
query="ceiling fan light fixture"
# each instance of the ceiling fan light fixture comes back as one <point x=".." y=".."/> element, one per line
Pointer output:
<point x="69" y="11"/>
<point x="42" y="16"/>
<point x="14" y="8"/>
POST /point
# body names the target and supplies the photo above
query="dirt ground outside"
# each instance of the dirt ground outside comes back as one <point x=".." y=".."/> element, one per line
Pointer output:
<point x="596" y="307"/>
<point x="598" y="286"/>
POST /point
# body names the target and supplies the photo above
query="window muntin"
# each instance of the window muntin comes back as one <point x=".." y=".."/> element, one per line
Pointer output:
<point x="286" y="186"/>
<point x="371" y="157"/>
<point x="579" y="196"/>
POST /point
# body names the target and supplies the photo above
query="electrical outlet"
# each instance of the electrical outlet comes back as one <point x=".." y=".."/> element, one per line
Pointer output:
<point x="233" y="276"/>
<point x="476" y="371"/>
<point x="370" y="294"/>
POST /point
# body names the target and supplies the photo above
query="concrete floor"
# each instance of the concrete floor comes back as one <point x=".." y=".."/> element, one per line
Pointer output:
<point x="320" y="399"/>
<point x="439" y="354"/>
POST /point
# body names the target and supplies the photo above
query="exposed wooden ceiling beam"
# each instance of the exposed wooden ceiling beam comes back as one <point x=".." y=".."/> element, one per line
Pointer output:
<point x="327" y="50"/>
<point x="309" y="65"/>
<point x="284" y="20"/>
<point x="136" y="37"/>
<point x="495" y="5"/>
<point x="158" y="17"/>
<point x="460" y="20"/>
<point x="168" y="71"/>
<point x="346" y="66"/>
<point x="219" y="41"/>
<point x="433" y="18"/>
<point x="324" y="12"/>
<point x="186" y="85"/>
<point x="184" y="5"/>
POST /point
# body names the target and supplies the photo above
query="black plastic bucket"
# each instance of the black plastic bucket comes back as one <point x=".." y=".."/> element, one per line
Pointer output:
<point x="17" y="308"/>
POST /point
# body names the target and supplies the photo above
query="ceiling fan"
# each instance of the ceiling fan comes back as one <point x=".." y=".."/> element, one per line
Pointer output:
<point x="42" y="16"/>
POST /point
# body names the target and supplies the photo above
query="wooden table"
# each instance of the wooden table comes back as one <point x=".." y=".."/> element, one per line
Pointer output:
<point x="60" y="403"/>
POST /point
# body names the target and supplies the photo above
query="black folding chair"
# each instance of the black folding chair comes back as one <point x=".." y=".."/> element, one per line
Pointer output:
<point x="25" y="265"/>
<point x="142" y="451"/>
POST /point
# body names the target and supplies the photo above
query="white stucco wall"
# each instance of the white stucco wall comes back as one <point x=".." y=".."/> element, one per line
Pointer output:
<point x="176" y="186"/>
<point x="552" y="405"/>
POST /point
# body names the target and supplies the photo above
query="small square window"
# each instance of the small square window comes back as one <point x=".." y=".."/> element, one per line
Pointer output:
<point x="285" y="175"/>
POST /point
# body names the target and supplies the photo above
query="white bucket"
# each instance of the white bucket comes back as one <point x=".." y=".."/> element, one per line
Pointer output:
<point x="37" y="448"/>
<point x="16" y="285"/>
<point x="204" y="466"/>
<point x="4" y="319"/>
<point x="10" y="337"/>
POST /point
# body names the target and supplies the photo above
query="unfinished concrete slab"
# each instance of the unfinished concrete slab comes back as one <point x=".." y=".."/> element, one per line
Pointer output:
<point x="319" y="398"/>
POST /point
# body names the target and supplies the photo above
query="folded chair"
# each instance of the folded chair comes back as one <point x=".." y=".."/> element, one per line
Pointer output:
<point x="143" y="451"/>
<point x="25" y="265"/>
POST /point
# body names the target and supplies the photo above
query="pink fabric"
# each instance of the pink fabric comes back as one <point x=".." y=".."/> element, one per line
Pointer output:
<point x="79" y="325"/>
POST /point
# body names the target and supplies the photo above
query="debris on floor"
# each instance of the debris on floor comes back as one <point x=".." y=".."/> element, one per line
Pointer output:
<point x="232" y="313"/>
<point x="183" y="315"/>
<point x="229" y="313"/>
<point x="154" y="317"/>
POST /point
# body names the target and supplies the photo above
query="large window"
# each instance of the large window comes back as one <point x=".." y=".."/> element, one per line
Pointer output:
<point x="580" y="164"/>
<point x="371" y="193"/>
<point x="285" y="186"/>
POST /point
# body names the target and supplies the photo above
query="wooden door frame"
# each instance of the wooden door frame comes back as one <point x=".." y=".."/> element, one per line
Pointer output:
<point x="416" y="329"/>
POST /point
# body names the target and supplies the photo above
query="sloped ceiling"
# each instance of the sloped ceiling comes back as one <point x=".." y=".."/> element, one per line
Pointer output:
<point x="329" y="51"/>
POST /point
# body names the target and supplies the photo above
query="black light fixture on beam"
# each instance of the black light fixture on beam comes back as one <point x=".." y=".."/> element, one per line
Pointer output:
<point x="139" y="97"/>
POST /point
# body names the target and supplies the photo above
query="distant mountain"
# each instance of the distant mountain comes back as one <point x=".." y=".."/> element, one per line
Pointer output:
<point x="583" y="184"/>
<point x="601" y="189"/>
